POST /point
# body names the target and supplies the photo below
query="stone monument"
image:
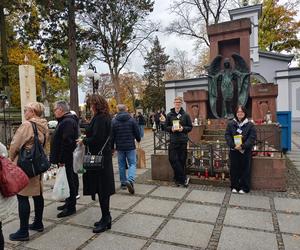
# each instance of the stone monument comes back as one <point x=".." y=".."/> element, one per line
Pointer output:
<point x="27" y="85"/>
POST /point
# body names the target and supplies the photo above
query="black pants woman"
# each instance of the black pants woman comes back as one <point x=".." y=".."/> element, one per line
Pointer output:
<point x="1" y="237"/>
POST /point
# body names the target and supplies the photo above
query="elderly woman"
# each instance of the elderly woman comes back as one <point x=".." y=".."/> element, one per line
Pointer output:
<point x="7" y="205"/>
<point x="24" y="136"/>
<point x="99" y="182"/>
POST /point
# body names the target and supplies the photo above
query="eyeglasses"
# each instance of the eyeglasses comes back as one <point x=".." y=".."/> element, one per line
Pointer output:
<point x="177" y="102"/>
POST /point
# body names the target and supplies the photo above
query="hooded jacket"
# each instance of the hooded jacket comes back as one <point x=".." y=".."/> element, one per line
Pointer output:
<point x="184" y="121"/>
<point x="64" y="139"/>
<point x="124" y="131"/>
<point x="246" y="129"/>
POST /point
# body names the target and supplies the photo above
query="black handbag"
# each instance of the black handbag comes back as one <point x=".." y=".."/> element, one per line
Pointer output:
<point x="34" y="161"/>
<point x="94" y="162"/>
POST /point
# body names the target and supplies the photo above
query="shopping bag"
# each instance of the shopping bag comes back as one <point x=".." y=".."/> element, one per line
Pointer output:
<point x="78" y="155"/>
<point x="61" y="189"/>
<point x="141" y="157"/>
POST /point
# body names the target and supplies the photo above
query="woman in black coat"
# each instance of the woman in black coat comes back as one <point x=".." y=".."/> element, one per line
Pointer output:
<point x="99" y="182"/>
<point x="240" y="136"/>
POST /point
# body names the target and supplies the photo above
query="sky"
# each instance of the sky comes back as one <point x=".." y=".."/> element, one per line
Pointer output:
<point x="160" y="14"/>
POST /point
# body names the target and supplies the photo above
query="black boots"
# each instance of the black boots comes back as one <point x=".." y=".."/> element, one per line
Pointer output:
<point x="36" y="226"/>
<point x="20" y="235"/>
<point x="103" y="224"/>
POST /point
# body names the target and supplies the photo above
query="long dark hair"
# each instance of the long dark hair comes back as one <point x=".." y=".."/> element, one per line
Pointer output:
<point x="100" y="104"/>
<point x="243" y="109"/>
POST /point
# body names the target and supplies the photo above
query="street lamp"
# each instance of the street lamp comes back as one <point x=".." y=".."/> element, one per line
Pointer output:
<point x="95" y="77"/>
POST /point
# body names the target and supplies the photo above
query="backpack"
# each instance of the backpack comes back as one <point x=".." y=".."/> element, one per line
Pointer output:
<point x="34" y="161"/>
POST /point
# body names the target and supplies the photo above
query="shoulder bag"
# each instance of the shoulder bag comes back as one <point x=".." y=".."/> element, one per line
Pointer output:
<point x="94" y="162"/>
<point x="34" y="161"/>
<point x="12" y="178"/>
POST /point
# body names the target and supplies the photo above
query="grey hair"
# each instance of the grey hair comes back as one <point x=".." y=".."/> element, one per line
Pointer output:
<point x="121" y="107"/>
<point x="63" y="105"/>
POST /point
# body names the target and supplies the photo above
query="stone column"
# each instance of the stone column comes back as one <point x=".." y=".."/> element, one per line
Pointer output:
<point x="27" y="86"/>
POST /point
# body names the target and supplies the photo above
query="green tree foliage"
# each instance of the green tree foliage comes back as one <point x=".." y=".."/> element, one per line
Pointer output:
<point x="278" y="27"/>
<point x="115" y="29"/>
<point x="155" y="67"/>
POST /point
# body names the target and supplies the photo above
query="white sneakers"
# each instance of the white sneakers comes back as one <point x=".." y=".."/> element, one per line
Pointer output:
<point x="240" y="192"/>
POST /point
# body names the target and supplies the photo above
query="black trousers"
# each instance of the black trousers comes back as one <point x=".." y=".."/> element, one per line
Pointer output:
<point x="76" y="183"/>
<point x="177" y="158"/>
<point x="240" y="170"/>
<point x="24" y="210"/>
<point x="71" y="200"/>
<point x="1" y="237"/>
<point x="104" y="205"/>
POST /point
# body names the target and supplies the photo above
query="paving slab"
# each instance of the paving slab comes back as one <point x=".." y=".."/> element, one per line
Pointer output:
<point x="291" y="242"/>
<point x="89" y="216"/>
<point x="109" y="241"/>
<point x="170" y="192"/>
<point x="206" y="196"/>
<point x="160" y="246"/>
<point x="75" y="237"/>
<point x="138" y="224"/>
<point x="248" y="218"/>
<point x="141" y="189"/>
<point x="237" y="239"/>
<point x="287" y="205"/>
<point x="289" y="223"/>
<point x="253" y="201"/>
<point x="155" y="206"/>
<point x="122" y="201"/>
<point x="13" y="226"/>
<point x="50" y="212"/>
<point x="188" y="233"/>
<point x="197" y="212"/>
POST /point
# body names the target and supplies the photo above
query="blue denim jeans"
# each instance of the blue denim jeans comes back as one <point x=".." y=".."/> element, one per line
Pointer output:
<point x="141" y="129"/>
<point x="130" y="157"/>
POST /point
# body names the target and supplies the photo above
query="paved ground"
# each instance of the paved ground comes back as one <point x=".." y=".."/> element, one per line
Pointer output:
<point x="160" y="216"/>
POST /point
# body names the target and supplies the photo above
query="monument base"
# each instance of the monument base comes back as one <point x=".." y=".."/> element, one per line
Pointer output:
<point x="268" y="173"/>
<point x="160" y="168"/>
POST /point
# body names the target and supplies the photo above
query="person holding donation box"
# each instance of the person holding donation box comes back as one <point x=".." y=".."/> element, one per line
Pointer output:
<point x="240" y="137"/>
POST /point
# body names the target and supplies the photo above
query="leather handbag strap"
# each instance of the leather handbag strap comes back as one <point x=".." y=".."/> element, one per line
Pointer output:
<point x="100" y="152"/>
<point x="36" y="136"/>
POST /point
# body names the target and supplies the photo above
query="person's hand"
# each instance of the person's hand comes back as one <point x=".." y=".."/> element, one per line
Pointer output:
<point x="79" y="142"/>
<point x="61" y="165"/>
<point x="112" y="152"/>
<point x="180" y="129"/>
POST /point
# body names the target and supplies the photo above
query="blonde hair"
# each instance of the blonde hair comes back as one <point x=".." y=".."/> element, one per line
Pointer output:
<point x="37" y="107"/>
<point x="178" y="98"/>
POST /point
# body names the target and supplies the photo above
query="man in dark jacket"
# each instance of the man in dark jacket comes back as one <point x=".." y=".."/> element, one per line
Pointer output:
<point x="124" y="131"/>
<point x="178" y="124"/>
<point x="61" y="151"/>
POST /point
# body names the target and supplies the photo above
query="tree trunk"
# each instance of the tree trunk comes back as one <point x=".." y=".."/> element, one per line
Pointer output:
<point x="116" y="84"/>
<point x="3" y="42"/>
<point x="72" y="57"/>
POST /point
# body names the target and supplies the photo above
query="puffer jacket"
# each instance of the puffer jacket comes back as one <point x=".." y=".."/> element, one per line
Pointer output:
<point x="124" y="131"/>
<point x="184" y="121"/>
<point x="25" y="136"/>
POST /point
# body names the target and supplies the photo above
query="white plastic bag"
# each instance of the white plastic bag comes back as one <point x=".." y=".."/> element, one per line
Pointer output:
<point x="61" y="189"/>
<point x="78" y="155"/>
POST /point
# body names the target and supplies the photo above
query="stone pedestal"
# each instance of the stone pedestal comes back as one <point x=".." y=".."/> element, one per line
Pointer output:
<point x="160" y="168"/>
<point x="263" y="100"/>
<point x="270" y="134"/>
<point x="230" y="37"/>
<point x="27" y="86"/>
<point x="196" y="134"/>
<point x="196" y="104"/>
<point x="268" y="173"/>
